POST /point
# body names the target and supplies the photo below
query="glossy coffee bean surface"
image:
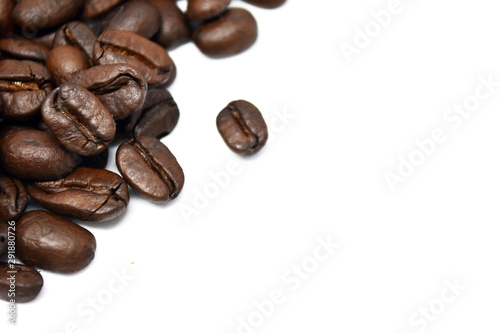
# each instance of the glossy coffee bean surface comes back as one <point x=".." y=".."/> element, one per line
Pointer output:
<point x="13" y="198"/>
<point x="28" y="283"/>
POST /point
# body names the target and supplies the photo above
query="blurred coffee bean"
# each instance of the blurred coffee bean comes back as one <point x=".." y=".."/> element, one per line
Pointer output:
<point x="95" y="8"/>
<point x="22" y="50"/>
<point x="45" y="14"/>
<point x="174" y="29"/>
<point x="76" y="34"/>
<point x="199" y="10"/>
<point x="28" y="282"/>
<point x="6" y="7"/>
<point x="65" y="61"/>
<point x="266" y="3"/>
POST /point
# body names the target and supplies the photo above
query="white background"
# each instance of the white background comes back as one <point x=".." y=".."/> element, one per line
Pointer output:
<point x="321" y="175"/>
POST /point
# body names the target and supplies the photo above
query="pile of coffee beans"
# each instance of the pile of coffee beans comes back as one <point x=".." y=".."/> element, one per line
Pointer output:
<point x="77" y="76"/>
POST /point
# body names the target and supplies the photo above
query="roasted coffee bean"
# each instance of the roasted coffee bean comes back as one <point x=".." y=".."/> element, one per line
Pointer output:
<point x="65" y="61"/>
<point x="198" y="10"/>
<point x="158" y="117"/>
<point x="13" y="198"/>
<point x="23" y="50"/>
<point x="78" y="119"/>
<point x="50" y="242"/>
<point x="242" y="127"/>
<point x="121" y="88"/>
<point x="150" y="168"/>
<point x="6" y="7"/>
<point x="86" y="194"/>
<point x="23" y="87"/>
<point x="45" y="40"/>
<point x="152" y="61"/>
<point x="98" y="161"/>
<point x="76" y="34"/>
<point x="266" y="3"/>
<point x="232" y="33"/>
<point x="28" y="282"/>
<point x="45" y="14"/>
<point x="4" y="237"/>
<point x="138" y="16"/>
<point x="27" y="153"/>
<point x="174" y="29"/>
<point x="95" y="8"/>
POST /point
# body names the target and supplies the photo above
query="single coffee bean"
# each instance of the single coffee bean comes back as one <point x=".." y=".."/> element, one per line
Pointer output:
<point x="13" y="199"/>
<point x="99" y="161"/>
<point x="65" y="61"/>
<point x="198" y="10"/>
<point x="27" y="153"/>
<point x="150" y="168"/>
<point x="4" y="237"/>
<point x="28" y="282"/>
<point x="76" y="34"/>
<point x="21" y="49"/>
<point x="45" y="14"/>
<point x="23" y="87"/>
<point x="174" y="29"/>
<point x="119" y="87"/>
<point x="242" y="127"/>
<point x="266" y="3"/>
<point x="86" y="194"/>
<point x="138" y="16"/>
<point x="78" y="119"/>
<point x="234" y="32"/>
<point x="95" y="8"/>
<point x="50" y="242"/>
<point x="150" y="59"/>
<point x="158" y="117"/>
<point x="45" y="40"/>
<point x="6" y="7"/>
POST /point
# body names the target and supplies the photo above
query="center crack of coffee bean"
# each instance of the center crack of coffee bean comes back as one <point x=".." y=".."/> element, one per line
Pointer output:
<point x="239" y="120"/>
<point x="129" y="53"/>
<point x="75" y="120"/>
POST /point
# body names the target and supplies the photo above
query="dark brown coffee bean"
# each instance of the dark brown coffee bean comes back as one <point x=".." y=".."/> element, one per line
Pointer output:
<point x="86" y="194"/>
<point x="198" y="10"/>
<point x="45" y="40"/>
<point x="78" y="119"/>
<point x="6" y="7"/>
<point x="121" y="88"/>
<point x="150" y="168"/>
<point x="137" y="16"/>
<point x="242" y="127"/>
<point x="174" y="29"/>
<point x="27" y="281"/>
<point x="266" y="3"/>
<point x="23" y="87"/>
<point x="65" y="61"/>
<point x="232" y="33"/>
<point x="76" y="34"/>
<point x="95" y="8"/>
<point x="13" y="198"/>
<point x="50" y="242"/>
<point x="4" y="237"/>
<point x="27" y="153"/>
<point x="23" y="50"/>
<point x="158" y="117"/>
<point x="152" y="61"/>
<point x="99" y="161"/>
<point x="45" y="14"/>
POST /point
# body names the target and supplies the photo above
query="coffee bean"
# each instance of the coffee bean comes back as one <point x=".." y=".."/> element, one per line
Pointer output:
<point x="23" y="87"/>
<point x="21" y="49"/>
<point x="28" y="282"/>
<point x="45" y="14"/>
<point x="95" y="8"/>
<point x="150" y="168"/>
<point x="266" y="3"/>
<point x="198" y="10"/>
<point x="4" y="237"/>
<point x="13" y="199"/>
<point x="242" y="127"/>
<point x="174" y="29"/>
<point x="232" y="33"/>
<point x="50" y="242"/>
<point x="65" y="61"/>
<point x="6" y="7"/>
<point x="158" y="117"/>
<point x="137" y="16"/>
<point x="76" y="34"/>
<point x="119" y="87"/>
<point x="86" y="194"/>
<point x="151" y="60"/>
<point x="46" y="40"/>
<point x="98" y="161"/>
<point x="27" y="153"/>
<point x="78" y="119"/>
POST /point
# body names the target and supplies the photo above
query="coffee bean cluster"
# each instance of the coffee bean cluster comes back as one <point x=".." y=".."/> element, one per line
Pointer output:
<point x="77" y="76"/>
